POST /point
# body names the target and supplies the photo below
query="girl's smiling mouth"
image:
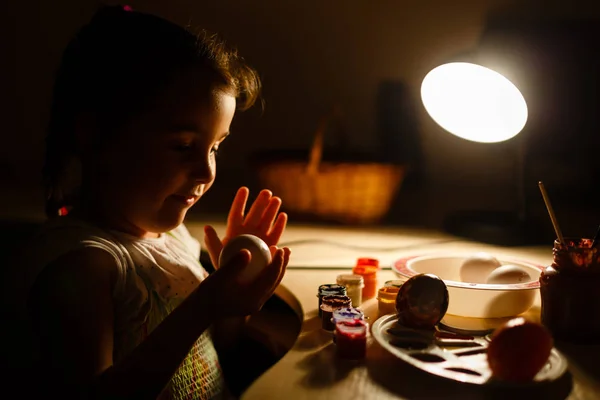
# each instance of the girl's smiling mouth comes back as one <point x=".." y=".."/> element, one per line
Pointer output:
<point x="187" y="200"/>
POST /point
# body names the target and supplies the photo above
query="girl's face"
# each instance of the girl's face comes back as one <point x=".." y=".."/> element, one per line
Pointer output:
<point x="163" y="161"/>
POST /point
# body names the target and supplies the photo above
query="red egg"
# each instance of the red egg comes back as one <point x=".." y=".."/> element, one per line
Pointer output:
<point x="518" y="350"/>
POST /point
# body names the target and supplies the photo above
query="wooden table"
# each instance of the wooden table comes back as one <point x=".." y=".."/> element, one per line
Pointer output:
<point x="310" y="370"/>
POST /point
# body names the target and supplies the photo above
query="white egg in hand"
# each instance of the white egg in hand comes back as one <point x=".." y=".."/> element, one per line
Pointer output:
<point x="507" y="275"/>
<point x="476" y="268"/>
<point x="260" y="255"/>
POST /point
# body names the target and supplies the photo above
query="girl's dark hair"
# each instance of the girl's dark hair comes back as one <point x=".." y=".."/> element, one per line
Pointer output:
<point x="114" y="66"/>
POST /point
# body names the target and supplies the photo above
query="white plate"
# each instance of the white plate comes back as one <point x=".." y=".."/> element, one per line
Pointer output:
<point x="456" y="363"/>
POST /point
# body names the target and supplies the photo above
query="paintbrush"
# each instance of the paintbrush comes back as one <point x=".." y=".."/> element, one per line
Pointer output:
<point x="557" y="230"/>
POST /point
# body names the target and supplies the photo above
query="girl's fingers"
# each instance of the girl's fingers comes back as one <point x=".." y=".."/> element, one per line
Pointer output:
<point x="238" y="262"/>
<point x="257" y="210"/>
<point x="277" y="229"/>
<point x="286" y="259"/>
<point x="286" y="256"/>
<point x="269" y="215"/>
<point x="213" y="244"/>
<point x="236" y="212"/>
<point x="272" y="249"/>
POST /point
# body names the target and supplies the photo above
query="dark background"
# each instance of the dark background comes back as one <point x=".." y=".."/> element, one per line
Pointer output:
<point x="369" y="58"/>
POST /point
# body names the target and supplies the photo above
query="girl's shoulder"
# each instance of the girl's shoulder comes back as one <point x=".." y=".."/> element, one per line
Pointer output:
<point x="63" y="235"/>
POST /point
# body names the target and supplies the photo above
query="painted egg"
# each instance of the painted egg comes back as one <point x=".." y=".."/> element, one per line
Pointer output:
<point x="518" y="350"/>
<point x="477" y="268"/>
<point x="422" y="301"/>
<point x="260" y="255"/>
<point x="508" y="274"/>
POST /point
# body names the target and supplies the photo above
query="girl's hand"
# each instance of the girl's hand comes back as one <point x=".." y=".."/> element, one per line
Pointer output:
<point x="227" y="297"/>
<point x="262" y="220"/>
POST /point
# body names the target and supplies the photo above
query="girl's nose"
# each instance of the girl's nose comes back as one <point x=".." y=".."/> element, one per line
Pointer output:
<point x="203" y="170"/>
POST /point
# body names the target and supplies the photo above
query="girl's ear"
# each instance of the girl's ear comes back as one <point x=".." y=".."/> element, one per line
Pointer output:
<point x="85" y="129"/>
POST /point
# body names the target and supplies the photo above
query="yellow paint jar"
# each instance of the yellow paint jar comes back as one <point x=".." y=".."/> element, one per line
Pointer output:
<point x="386" y="300"/>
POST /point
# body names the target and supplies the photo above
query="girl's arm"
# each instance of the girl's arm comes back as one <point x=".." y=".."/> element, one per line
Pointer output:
<point x="72" y="309"/>
<point x="227" y="332"/>
<point x="73" y="313"/>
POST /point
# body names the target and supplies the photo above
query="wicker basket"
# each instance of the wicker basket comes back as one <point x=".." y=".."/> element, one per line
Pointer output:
<point x="347" y="192"/>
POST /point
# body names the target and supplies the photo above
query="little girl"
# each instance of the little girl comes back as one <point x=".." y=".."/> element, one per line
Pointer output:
<point x="118" y="299"/>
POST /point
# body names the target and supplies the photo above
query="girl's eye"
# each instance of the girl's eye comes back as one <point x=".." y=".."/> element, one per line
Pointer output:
<point x="183" y="147"/>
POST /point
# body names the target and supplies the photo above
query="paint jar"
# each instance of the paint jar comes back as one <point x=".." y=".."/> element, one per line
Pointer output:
<point x="569" y="292"/>
<point x="346" y="314"/>
<point x="386" y="300"/>
<point x="329" y="290"/>
<point x="329" y="304"/>
<point x="351" y="339"/>
<point x="354" y="285"/>
<point x="367" y="268"/>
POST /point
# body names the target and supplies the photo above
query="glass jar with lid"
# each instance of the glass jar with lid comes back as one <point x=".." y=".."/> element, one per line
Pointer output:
<point x="570" y="294"/>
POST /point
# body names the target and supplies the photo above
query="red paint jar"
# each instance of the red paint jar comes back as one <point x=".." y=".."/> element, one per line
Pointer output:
<point x="351" y="339"/>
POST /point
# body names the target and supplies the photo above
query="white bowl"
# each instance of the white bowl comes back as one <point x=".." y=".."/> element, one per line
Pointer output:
<point x="477" y="300"/>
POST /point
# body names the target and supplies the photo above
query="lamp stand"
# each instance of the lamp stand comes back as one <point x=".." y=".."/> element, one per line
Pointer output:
<point x="504" y="228"/>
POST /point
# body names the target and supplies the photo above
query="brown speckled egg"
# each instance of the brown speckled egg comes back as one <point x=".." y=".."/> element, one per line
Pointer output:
<point x="422" y="301"/>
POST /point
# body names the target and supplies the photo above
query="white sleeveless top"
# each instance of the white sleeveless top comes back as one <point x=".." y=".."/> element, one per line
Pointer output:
<point x="154" y="276"/>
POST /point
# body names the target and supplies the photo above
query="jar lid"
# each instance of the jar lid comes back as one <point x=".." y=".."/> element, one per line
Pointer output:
<point x="336" y="301"/>
<point x="331" y="288"/>
<point x="350" y="313"/>
<point x="350" y="279"/>
<point x="367" y="261"/>
<point x="354" y="328"/>
<point x="393" y="283"/>
<point x="388" y="293"/>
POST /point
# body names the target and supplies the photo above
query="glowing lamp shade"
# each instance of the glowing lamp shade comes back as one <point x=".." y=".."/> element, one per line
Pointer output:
<point x="474" y="102"/>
